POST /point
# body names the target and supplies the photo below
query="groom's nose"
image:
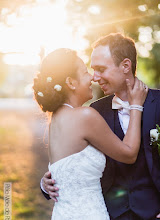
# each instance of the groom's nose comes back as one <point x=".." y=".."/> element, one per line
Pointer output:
<point x="96" y="76"/>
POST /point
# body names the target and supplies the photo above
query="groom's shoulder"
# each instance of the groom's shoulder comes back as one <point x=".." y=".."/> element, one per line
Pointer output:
<point x="155" y="93"/>
<point x="102" y="102"/>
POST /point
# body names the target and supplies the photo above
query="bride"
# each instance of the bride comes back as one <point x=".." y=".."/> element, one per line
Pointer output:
<point x="79" y="137"/>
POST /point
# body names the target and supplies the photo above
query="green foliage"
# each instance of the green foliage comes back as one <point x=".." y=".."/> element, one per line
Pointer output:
<point x="147" y="73"/>
<point x="158" y="128"/>
<point x="115" y="16"/>
<point x="124" y="17"/>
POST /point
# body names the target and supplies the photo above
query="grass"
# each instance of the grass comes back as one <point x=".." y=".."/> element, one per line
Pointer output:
<point x="23" y="162"/>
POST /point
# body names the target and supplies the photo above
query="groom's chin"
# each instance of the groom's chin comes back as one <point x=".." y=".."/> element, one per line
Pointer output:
<point x="108" y="93"/>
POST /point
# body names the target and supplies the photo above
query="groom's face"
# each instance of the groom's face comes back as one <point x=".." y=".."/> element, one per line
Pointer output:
<point x="110" y="77"/>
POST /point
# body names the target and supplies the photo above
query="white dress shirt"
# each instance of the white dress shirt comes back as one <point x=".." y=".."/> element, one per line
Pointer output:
<point x="124" y="117"/>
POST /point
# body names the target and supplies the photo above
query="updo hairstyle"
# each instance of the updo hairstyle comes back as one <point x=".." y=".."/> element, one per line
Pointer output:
<point x="55" y="68"/>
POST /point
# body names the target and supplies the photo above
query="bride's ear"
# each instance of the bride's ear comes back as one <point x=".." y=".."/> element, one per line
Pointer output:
<point x="71" y="83"/>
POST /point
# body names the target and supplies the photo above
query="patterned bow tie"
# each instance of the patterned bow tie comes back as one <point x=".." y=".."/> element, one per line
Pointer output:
<point x="117" y="103"/>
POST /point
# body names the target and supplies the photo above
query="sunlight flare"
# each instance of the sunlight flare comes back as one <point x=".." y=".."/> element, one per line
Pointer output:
<point x="41" y="25"/>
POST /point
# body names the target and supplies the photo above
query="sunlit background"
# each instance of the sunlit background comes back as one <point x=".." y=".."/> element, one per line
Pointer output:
<point x="29" y="30"/>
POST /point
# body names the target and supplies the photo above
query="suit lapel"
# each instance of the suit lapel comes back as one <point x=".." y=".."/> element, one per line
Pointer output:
<point x="108" y="114"/>
<point x="109" y="172"/>
<point x="148" y="124"/>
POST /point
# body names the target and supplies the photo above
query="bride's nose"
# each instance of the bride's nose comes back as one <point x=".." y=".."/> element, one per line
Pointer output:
<point x="91" y="77"/>
<point x="96" y="76"/>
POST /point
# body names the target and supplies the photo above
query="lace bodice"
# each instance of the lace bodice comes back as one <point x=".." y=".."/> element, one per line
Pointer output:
<point x="78" y="178"/>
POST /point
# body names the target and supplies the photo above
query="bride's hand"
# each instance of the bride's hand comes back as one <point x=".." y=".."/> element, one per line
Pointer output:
<point x="137" y="94"/>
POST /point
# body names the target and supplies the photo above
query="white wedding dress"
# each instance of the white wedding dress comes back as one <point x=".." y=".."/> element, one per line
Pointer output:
<point x="80" y="194"/>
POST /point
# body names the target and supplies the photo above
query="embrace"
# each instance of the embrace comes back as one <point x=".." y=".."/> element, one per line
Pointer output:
<point x="102" y="165"/>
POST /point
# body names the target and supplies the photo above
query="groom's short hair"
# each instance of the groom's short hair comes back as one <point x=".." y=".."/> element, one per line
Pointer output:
<point x="121" y="47"/>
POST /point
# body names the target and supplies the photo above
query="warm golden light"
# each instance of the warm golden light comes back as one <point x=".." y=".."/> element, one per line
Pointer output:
<point x="94" y="9"/>
<point x="21" y="59"/>
<point x="42" y="25"/>
<point x="145" y="43"/>
<point x="142" y="7"/>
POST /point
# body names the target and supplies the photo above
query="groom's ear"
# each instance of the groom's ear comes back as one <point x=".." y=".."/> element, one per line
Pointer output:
<point x="126" y="65"/>
<point x="71" y="83"/>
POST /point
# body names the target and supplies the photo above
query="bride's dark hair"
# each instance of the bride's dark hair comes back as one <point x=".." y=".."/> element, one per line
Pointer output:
<point x="55" y="67"/>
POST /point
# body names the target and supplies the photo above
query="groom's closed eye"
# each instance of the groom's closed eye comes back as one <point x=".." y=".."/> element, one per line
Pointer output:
<point x="102" y="69"/>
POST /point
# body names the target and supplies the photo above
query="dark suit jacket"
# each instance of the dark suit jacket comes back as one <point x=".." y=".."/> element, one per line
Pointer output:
<point x="151" y="117"/>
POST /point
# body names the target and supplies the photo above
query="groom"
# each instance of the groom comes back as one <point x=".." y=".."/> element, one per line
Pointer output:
<point x="130" y="191"/>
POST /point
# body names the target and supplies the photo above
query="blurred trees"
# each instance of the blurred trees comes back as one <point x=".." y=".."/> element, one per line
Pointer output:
<point x="3" y="69"/>
<point x="12" y="6"/>
<point x="138" y="19"/>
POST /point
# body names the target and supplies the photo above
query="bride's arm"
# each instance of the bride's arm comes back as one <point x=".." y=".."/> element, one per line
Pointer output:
<point x="97" y="132"/>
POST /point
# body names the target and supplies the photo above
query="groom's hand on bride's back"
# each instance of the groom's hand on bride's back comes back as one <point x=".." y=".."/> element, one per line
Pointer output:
<point x="48" y="185"/>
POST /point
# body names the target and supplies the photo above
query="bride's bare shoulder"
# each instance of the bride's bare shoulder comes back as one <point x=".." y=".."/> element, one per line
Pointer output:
<point x="86" y="112"/>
